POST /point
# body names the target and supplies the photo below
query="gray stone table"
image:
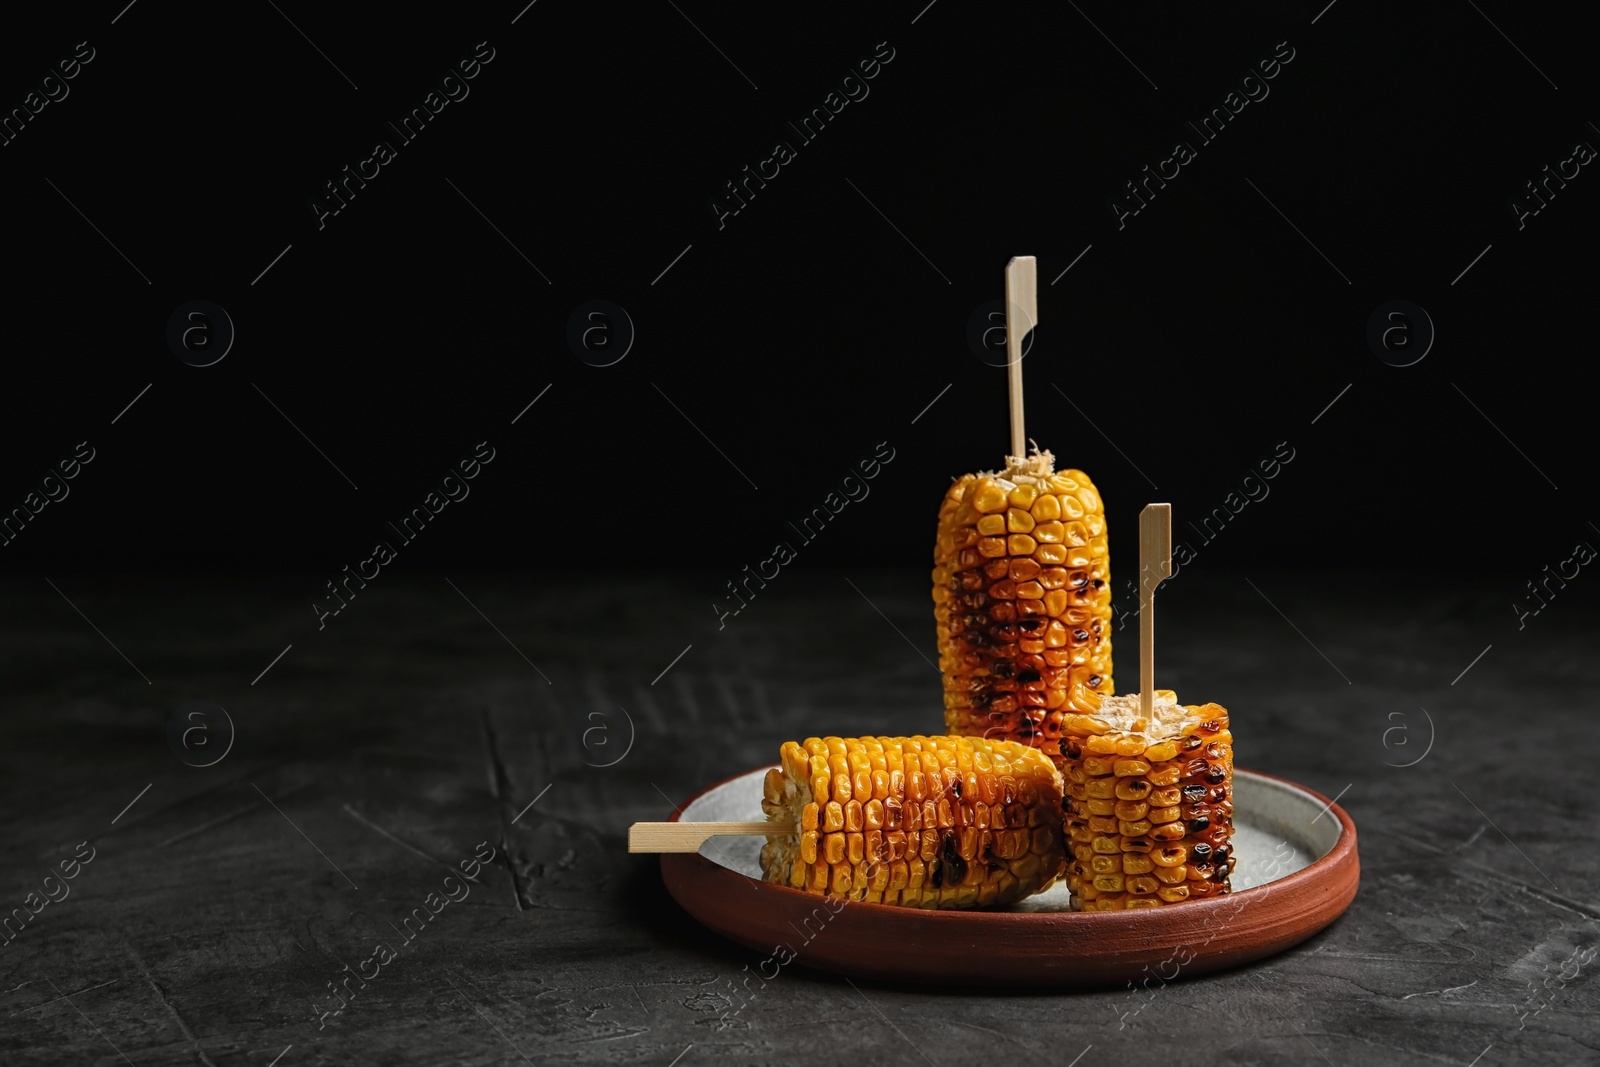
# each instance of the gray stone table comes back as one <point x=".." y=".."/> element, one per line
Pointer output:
<point x="440" y="714"/>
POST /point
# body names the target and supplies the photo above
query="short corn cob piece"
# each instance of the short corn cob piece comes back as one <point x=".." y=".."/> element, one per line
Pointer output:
<point x="926" y="822"/>
<point x="1149" y="803"/>
<point x="1022" y="599"/>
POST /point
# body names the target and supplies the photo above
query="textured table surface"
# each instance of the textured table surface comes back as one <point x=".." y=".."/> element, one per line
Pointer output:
<point x="437" y="713"/>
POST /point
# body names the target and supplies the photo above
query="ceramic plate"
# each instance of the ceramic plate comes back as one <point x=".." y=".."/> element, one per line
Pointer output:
<point x="1297" y="872"/>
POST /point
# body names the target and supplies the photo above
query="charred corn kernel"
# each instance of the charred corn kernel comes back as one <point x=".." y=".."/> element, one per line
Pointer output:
<point x="1018" y="629"/>
<point x="929" y="840"/>
<point x="1167" y="781"/>
<point x="1133" y="788"/>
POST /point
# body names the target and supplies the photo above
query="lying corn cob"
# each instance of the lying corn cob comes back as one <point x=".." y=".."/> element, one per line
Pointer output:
<point x="1022" y="598"/>
<point x="1149" y="802"/>
<point x="927" y="822"/>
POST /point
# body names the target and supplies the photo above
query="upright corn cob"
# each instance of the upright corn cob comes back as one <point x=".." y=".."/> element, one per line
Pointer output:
<point x="929" y="822"/>
<point x="1022" y="599"/>
<point x="1149" y="802"/>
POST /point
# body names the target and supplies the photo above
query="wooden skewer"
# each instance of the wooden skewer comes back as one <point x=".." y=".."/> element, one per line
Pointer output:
<point x="1155" y="565"/>
<point x="1022" y="315"/>
<point x="689" y="836"/>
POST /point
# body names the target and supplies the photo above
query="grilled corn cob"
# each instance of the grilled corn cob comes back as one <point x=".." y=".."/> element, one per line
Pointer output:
<point x="1022" y="600"/>
<point x="928" y="822"/>
<point x="1149" y="802"/>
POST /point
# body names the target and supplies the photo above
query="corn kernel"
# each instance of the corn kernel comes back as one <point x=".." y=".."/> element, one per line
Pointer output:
<point x="1050" y="532"/>
<point x="1133" y="788"/>
<point x="990" y="497"/>
<point x="1136" y="863"/>
<point x="1166" y="774"/>
<point x="1018" y="521"/>
<point x="833" y="847"/>
<point x="1021" y="544"/>
<point x="1051" y="554"/>
<point x="1022" y="570"/>
<point x="1160" y="753"/>
<point x="1124" y="768"/>
<point x="991" y="525"/>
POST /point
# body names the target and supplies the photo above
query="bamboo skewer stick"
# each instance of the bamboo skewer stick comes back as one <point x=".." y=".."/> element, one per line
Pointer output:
<point x="689" y="836"/>
<point x="1022" y="315"/>
<point x="1155" y="565"/>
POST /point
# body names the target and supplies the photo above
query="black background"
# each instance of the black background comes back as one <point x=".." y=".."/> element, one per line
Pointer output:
<point x="807" y="330"/>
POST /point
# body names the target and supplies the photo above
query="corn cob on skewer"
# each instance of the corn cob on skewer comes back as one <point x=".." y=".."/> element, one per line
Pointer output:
<point x="1022" y="600"/>
<point x="930" y="822"/>
<point x="1149" y="802"/>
